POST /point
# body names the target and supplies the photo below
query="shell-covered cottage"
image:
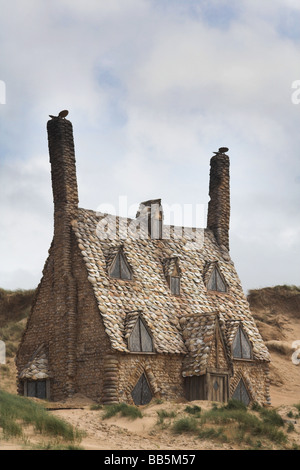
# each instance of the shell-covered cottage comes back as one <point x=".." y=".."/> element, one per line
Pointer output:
<point x="132" y="309"/>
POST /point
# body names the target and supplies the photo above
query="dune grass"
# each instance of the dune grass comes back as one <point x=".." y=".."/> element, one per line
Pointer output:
<point x="128" y="411"/>
<point x="18" y="412"/>
<point x="236" y="423"/>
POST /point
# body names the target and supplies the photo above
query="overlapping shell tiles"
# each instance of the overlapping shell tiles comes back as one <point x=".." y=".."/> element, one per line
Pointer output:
<point x="178" y="324"/>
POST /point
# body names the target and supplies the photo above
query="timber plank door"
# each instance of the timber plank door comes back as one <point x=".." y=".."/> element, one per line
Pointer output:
<point x="218" y="387"/>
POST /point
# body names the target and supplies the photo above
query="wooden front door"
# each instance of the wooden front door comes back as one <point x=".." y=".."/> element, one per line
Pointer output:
<point x="218" y="387"/>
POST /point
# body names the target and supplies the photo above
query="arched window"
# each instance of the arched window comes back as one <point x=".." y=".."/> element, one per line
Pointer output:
<point x="140" y="339"/>
<point x="241" y="393"/>
<point x="120" y="268"/>
<point x="141" y="394"/>
<point x="216" y="281"/>
<point x="241" y="346"/>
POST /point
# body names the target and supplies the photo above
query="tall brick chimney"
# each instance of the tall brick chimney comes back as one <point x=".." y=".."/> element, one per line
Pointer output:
<point x="65" y="198"/>
<point x="63" y="168"/>
<point x="218" y="215"/>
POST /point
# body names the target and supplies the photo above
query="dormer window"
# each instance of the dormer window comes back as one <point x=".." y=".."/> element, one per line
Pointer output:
<point x="140" y="339"/>
<point x="216" y="281"/>
<point x="120" y="268"/>
<point x="172" y="273"/>
<point x="241" y="347"/>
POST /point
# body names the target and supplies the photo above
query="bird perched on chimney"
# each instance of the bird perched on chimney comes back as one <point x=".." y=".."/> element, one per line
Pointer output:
<point x="222" y="150"/>
<point x="62" y="114"/>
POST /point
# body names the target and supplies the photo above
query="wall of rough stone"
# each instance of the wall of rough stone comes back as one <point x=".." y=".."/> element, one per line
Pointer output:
<point x="163" y="372"/>
<point x="92" y="343"/>
<point x="37" y="330"/>
<point x="256" y="379"/>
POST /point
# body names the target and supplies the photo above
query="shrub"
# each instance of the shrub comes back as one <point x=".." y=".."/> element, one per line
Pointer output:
<point x="211" y="433"/>
<point x="183" y="425"/>
<point x="162" y="414"/>
<point x="271" y="417"/>
<point x="128" y="411"/>
<point x="193" y="410"/>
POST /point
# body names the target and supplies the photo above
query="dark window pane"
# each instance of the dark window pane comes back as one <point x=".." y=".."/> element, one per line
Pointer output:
<point x="241" y="393"/>
<point x="141" y="394"/>
<point x="237" y="352"/>
<point x="220" y="285"/>
<point x="212" y="284"/>
<point x="245" y="346"/>
<point x="241" y="346"/>
<point x="125" y="273"/>
<point x="216" y="281"/>
<point x="135" y="338"/>
<point x="146" y="340"/>
<point x="120" y="268"/>
<point x="175" y="285"/>
<point x="115" y="271"/>
<point x="31" y="388"/>
<point x="41" y="389"/>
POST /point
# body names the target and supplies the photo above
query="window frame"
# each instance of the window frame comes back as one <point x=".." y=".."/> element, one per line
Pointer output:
<point x="28" y="383"/>
<point x="120" y="256"/>
<point x="240" y="332"/>
<point x="138" y="322"/>
<point x="215" y="272"/>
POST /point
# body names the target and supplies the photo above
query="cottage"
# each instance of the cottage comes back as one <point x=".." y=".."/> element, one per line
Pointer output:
<point x="131" y="309"/>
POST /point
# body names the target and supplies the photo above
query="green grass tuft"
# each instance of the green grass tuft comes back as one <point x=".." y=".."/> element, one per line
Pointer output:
<point x="16" y="412"/>
<point x="188" y="424"/>
<point x="129" y="411"/>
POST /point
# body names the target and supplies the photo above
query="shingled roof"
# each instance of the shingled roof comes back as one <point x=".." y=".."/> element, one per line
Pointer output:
<point x="178" y="324"/>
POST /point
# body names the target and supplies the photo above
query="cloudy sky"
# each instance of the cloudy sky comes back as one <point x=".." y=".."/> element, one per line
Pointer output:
<point x="153" y="88"/>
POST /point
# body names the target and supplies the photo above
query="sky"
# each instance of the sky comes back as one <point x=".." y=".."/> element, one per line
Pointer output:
<point x="153" y="88"/>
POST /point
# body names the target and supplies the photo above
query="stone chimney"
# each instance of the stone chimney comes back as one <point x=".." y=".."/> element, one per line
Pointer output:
<point x="65" y="198"/>
<point x="63" y="168"/>
<point x="218" y="215"/>
<point x="151" y="213"/>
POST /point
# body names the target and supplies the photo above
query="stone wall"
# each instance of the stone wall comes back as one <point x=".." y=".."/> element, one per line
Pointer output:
<point x="256" y="379"/>
<point x="163" y="372"/>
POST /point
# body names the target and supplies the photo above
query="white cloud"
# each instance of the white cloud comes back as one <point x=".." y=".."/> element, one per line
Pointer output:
<point x="153" y="88"/>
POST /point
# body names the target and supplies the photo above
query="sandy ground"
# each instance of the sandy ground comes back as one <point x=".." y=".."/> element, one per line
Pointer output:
<point x="119" y="433"/>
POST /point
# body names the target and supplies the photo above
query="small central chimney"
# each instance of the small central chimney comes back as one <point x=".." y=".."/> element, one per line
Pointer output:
<point x="151" y="211"/>
<point x="218" y="215"/>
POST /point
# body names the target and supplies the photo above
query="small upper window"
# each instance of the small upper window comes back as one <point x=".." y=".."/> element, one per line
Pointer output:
<point x="120" y="268"/>
<point x="241" y="345"/>
<point x="175" y="285"/>
<point x="216" y="281"/>
<point x="140" y="339"/>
